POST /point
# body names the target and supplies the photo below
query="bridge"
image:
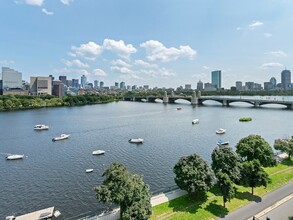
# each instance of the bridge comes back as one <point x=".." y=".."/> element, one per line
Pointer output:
<point x="197" y="99"/>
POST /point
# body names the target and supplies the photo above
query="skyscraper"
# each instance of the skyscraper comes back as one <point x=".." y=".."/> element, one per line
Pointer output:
<point x="101" y="84"/>
<point x="217" y="79"/>
<point x="199" y="86"/>
<point x="96" y="84"/>
<point x="83" y="81"/>
<point x="286" y="79"/>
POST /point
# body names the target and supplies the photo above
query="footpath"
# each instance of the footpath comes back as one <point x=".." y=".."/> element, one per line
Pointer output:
<point x="155" y="200"/>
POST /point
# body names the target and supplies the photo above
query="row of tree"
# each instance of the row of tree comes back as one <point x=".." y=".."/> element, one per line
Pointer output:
<point x="19" y="102"/>
<point x="193" y="174"/>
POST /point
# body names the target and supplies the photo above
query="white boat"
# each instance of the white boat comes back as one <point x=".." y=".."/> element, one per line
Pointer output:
<point x="222" y="143"/>
<point x="41" y="127"/>
<point x="98" y="152"/>
<point x="14" y="156"/>
<point x="221" y="131"/>
<point x="195" y="121"/>
<point x="61" y="137"/>
<point x="136" y="140"/>
<point x="89" y="170"/>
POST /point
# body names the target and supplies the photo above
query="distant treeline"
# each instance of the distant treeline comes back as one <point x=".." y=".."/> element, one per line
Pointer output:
<point x="19" y="102"/>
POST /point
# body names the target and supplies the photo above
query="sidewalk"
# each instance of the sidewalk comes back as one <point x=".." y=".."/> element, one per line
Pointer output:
<point x="267" y="203"/>
<point x="155" y="200"/>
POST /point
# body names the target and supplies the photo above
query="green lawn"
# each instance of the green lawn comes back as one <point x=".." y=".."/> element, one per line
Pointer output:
<point x="210" y="206"/>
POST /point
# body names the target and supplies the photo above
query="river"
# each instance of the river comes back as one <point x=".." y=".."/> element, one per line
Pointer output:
<point x="53" y="173"/>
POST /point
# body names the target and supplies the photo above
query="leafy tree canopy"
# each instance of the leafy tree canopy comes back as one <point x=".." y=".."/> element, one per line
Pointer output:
<point x="253" y="175"/>
<point x="226" y="187"/>
<point x="127" y="190"/>
<point x="285" y="145"/>
<point x="225" y="160"/>
<point x="255" y="147"/>
<point x="193" y="174"/>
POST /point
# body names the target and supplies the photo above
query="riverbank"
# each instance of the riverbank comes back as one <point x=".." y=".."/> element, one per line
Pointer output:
<point x="19" y="102"/>
<point x="210" y="207"/>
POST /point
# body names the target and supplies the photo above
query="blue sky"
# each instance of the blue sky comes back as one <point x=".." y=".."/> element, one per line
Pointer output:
<point x="164" y="43"/>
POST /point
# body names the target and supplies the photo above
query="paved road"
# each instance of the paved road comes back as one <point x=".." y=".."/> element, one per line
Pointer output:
<point x="280" y="213"/>
<point x="253" y="208"/>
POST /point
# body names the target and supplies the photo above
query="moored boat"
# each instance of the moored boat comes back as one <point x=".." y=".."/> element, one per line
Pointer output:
<point x="98" y="152"/>
<point x="89" y="170"/>
<point x="178" y="108"/>
<point x="222" y="143"/>
<point x="61" y="137"/>
<point x="221" y="131"/>
<point x="136" y="140"/>
<point x="195" y="121"/>
<point x="15" y="156"/>
<point x="41" y="127"/>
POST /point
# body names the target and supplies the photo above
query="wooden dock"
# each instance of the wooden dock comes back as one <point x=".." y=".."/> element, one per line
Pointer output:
<point x="37" y="215"/>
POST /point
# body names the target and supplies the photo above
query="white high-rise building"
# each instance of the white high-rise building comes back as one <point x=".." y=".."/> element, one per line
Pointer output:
<point x="11" y="79"/>
<point x="41" y="85"/>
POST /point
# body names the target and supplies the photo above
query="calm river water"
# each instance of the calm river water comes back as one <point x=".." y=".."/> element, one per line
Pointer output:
<point x="53" y="173"/>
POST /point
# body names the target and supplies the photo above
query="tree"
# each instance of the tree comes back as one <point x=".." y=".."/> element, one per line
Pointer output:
<point x="126" y="189"/>
<point x="285" y="145"/>
<point x="254" y="175"/>
<point x="226" y="187"/>
<point x="193" y="174"/>
<point x="255" y="147"/>
<point x="227" y="161"/>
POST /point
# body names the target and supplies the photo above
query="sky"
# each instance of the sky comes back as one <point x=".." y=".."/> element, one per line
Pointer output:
<point x="160" y="43"/>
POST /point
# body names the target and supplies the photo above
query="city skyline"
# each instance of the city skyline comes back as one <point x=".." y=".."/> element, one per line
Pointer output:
<point x="162" y="44"/>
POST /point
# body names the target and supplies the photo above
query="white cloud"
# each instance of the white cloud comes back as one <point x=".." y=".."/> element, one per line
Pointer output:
<point x="99" y="72"/>
<point x="31" y="2"/>
<point x="47" y="12"/>
<point x="270" y="65"/>
<point x="165" y="72"/>
<point x="71" y="54"/>
<point x="239" y="28"/>
<point x="278" y="53"/>
<point x="122" y="69"/>
<point x="6" y="62"/>
<point x="66" y="2"/>
<point x="67" y="70"/>
<point x="88" y="49"/>
<point x="145" y="64"/>
<point x="75" y="63"/>
<point x="255" y="25"/>
<point x="268" y="35"/>
<point x="206" y="67"/>
<point x="119" y="47"/>
<point x="120" y="63"/>
<point x="157" y="51"/>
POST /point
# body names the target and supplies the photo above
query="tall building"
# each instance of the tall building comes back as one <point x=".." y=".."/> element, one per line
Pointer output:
<point x="238" y="85"/>
<point x="273" y="81"/>
<point x="11" y="79"/>
<point x="116" y="85"/>
<point x="74" y="83"/>
<point x="249" y="85"/>
<point x="187" y="86"/>
<point x="63" y="79"/>
<point x="199" y="85"/>
<point x="101" y="84"/>
<point x="96" y="84"/>
<point x="41" y="85"/>
<point x="122" y="85"/>
<point x="217" y="79"/>
<point x="286" y="79"/>
<point x="83" y="81"/>
<point x="58" y="89"/>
